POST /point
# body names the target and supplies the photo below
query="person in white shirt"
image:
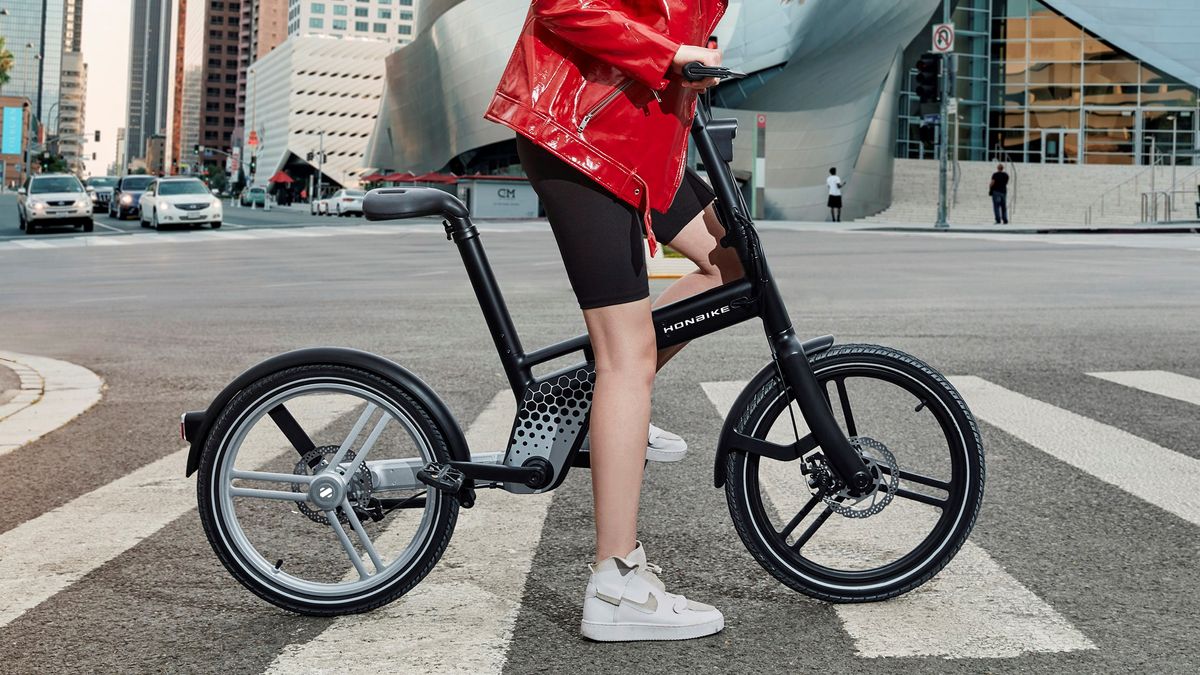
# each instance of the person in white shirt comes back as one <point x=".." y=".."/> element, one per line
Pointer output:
<point x="835" y="194"/>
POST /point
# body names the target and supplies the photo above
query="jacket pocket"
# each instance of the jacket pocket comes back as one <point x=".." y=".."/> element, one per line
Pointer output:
<point x="601" y="105"/>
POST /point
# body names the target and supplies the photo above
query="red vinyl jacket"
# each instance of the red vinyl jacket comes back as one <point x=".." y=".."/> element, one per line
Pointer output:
<point x="591" y="82"/>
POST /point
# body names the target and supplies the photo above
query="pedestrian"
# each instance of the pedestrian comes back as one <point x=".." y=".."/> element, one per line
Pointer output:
<point x="601" y="114"/>
<point x="303" y="195"/>
<point x="835" y="185"/>
<point x="998" y="190"/>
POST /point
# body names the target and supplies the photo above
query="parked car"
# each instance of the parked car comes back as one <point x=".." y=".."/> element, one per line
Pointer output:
<point x="180" y="201"/>
<point x="254" y="196"/>
<point x="101" y="188"/>
<point x="58" y="199"/>
<point x="127" y="196"/>
<point x="347" y="202"/>
<point x="319" y="207"/>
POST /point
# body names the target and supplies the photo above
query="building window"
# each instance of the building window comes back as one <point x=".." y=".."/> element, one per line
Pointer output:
<point x="405" y="29"/>
<point x="318" y="8"/>
<point x="314" y="22"/>
<point x="385" y="13"/>
<point x="380" y="28"/>
<point x="361" y="26"/>
<point x="361" y="12"/>
<point x="339" y="24"/>
<point x="339" y="10"/>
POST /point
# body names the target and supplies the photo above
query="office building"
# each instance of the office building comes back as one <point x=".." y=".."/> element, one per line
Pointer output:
<point x="188" y="90"/>
<point x="219" y="97"/>
<point x="263" y="28"/>
<point x="72" y="111"/>
<point x="149" y="73"/>
<point x="34" y="31"/>
<point x="390" y="20"/>
<point x="313" y="92"/>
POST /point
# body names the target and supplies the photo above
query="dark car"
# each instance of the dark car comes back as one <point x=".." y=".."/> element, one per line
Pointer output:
<point x="101" y="187"/>
<point x="127" y="196"/>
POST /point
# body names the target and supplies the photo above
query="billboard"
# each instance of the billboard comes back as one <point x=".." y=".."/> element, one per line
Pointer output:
<point x="10" y="132"/>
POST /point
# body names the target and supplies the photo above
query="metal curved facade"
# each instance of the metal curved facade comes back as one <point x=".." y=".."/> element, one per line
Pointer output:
<point x="824" y="66"/>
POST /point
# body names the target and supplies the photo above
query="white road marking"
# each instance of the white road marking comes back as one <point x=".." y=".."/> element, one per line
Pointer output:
<point x="33" y="244"/>
<point x="460" y="618"/>
<point x="41" y="557"/>
<point x="1163" y="477"/>
<point x="972" y="609"/>
<point x="108" y="227"/>
<point x="428" y="274"/>
<point x="1161" y="382"/>
<point x="293" y="283"/>
<point x="54" y="392"/>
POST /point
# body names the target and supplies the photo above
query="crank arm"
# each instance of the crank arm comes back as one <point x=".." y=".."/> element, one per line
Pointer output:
<point x="401" y="474"/>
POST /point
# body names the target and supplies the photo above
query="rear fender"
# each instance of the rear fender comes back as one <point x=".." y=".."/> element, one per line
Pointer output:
<point x="726" y="443"/>
<point x="196" y="426"/>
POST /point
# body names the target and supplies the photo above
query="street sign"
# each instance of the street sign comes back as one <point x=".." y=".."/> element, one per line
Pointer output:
<point x="943" y="38"/>
<point x="762" y="121"/>
<point x="952" y="107"/>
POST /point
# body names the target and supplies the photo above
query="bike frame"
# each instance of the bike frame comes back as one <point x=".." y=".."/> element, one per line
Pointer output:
<point x="756" y="295"/>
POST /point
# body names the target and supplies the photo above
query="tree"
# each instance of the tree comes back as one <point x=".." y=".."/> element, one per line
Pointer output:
<point x="217" y="179"/>
<point x="6" y="63"/>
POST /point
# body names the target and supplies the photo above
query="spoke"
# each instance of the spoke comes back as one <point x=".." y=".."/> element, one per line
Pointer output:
<point x="355" y="558"/>
<point x="924" y="499"/>
<point x="352" y="436"/>
<point x="291" y="429"/>
<point x="851" y="428"/>
<point x="268" y="494"/>
<point x="800" y="516"/>
<point x="362" y="534"/>
<point x="272" y="477"/>
<point x="812" y="529"/>
<point x="361" y="455"/>
<point x="919" y="479"/>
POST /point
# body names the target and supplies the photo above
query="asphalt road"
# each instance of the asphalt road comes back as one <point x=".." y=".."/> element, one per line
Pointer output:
<point x="1075" y="566"/>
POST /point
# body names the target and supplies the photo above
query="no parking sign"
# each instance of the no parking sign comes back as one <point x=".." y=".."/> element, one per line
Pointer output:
<point x="943" y="38"/>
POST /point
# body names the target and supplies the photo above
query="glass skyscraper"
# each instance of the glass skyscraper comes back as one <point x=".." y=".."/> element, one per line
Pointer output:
<point x="33" y="32"/>
<point x="1035" y="85"/>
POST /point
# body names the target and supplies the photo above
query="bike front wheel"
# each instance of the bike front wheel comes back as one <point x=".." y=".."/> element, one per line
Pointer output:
<point x="920" y="442"/>
<point x="298" y="492"/>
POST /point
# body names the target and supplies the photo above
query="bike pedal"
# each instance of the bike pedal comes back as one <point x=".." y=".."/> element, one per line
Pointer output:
<point x="442" y="477"/>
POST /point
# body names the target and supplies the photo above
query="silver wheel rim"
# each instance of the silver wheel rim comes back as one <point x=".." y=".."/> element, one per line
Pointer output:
<point x="248" y="556"/>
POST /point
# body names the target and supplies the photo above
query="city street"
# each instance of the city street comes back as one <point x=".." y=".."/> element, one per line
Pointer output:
<point x="1079" y="355"/>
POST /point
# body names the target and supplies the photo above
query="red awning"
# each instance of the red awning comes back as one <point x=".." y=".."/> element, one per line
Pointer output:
<point x="431" y="177"/>
<point x="281" y="177"/>
<point x="371" y="177"/>
<point x="406" y="177"/>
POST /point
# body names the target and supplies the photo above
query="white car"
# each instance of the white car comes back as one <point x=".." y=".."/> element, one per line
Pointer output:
<point x="180" y="201"/>
<point x="346" y="202"/>
<point x="319" y="207"/>
<point x="54" y="199"/>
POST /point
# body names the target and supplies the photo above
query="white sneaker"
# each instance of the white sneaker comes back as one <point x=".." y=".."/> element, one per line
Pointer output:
<point x="625" y="602"/>
<point x="661" y="445"/>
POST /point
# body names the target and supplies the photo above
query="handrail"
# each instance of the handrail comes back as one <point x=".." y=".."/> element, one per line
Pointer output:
<point x="1136" y="179"/>
<point x="1150" y="206"/>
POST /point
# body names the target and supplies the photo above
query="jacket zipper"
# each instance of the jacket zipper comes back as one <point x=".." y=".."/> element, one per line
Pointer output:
<point x="612" y="95"/>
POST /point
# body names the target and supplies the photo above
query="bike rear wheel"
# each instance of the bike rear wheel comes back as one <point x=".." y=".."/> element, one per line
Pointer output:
<point x="293" y="496"/>
<point x="910" y="423"/>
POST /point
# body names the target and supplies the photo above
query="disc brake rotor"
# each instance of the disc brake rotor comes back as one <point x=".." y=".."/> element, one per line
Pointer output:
<point x="875" y="455"/>
<point x="358" y="489"/>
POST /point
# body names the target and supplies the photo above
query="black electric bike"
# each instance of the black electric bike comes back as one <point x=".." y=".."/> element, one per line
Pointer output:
<point x="330" y="480"/>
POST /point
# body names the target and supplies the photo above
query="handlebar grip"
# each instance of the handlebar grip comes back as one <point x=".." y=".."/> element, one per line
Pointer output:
<point x="696" y="71"/>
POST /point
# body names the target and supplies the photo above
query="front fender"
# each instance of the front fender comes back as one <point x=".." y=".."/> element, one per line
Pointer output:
<point x="196" y="425"/>
<point x="725" y="442"/>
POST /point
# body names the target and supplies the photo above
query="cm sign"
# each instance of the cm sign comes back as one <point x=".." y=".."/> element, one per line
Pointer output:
<point x="499" y="198"/>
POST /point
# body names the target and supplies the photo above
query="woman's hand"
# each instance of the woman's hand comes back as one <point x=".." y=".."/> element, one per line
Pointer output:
<point x="688" y="54"/>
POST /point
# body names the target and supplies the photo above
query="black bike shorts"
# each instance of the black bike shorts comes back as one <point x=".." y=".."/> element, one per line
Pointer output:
<point x="600" y="235"/>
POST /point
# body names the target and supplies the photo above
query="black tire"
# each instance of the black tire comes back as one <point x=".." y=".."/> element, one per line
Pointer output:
<point x="29" y="227"/>
<point x="216" y="226"/>
<point x="433" y="545"/>
<point x="89" y="226"/>
<point x="964" y="497"/>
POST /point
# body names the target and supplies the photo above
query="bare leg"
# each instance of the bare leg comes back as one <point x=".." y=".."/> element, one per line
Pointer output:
<point x="700" y="242"/>
<point x="623" y="340"/>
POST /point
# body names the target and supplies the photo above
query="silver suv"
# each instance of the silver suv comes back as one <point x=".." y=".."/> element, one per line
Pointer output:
<point x="54" y="199"/>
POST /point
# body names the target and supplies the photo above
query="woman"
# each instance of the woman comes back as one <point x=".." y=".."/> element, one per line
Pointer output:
<point x="602" y="114"/>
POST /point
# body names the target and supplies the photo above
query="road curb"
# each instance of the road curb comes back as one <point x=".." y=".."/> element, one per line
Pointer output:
<point x="52" y="393"/>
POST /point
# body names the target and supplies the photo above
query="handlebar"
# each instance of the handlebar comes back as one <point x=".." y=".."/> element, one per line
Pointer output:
<point x="696" y="71"/>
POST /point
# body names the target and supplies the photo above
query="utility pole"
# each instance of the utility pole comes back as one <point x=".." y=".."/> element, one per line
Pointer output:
<point x="320" y="164"/>
<point x="944" y="130"/>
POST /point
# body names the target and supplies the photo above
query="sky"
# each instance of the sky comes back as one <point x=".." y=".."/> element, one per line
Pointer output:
<point x="106" y="52"/>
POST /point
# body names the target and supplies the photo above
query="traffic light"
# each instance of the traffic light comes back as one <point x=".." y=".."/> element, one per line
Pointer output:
<point x="253" y="164"/>
<point x="929" y="78"/>
<point x="97" y="135"/>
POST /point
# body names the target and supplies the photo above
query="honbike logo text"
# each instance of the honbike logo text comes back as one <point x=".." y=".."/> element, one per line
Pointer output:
<point x="696" y="319"/>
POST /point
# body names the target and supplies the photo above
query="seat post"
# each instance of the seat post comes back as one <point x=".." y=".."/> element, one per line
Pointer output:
<point x="491" y="301"/>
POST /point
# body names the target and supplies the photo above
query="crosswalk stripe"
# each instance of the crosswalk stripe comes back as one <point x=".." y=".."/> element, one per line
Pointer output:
<point x="42" y="556"/>
<point x="1160" y="476"/>
<point x="1161" y="382"/>
<point x="33" y="244"/>
<point x="460" y="618"/>
<point x="972" y="609"/>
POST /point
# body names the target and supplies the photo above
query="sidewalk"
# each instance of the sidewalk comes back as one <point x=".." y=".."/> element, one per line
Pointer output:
<point x="48" y="394"/>
<point x="988" y="228"/>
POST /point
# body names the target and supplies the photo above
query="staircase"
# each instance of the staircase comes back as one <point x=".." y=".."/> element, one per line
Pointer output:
<point x="1052" y="195"/>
